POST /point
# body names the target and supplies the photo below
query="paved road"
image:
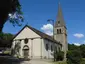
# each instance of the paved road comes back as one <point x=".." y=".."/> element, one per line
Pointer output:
<point x="36" y="62"/>
<point x="9" y="60"/>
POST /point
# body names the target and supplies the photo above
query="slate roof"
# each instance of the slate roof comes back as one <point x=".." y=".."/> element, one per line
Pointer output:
<point x="43" y="35"/>
<point x="60" y="19"/>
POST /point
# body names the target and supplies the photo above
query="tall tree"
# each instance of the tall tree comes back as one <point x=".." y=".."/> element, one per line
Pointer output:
<point x="6" y="39"/>
<point x="9" y="10"/>
<point x="82" y="48"/>
<point x="72" y="47"/>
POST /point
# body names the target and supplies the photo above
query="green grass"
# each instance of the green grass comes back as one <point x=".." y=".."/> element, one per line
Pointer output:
<point x="83" y="61"/>
<point x="60" y="62"/>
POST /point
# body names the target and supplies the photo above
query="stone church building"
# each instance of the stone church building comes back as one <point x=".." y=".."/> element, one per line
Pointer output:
<point x="32" y="43"/>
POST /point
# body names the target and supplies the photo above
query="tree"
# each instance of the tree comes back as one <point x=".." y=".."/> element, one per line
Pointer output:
<point x="72" y="47"/>
<point x="82" y="48"/>
<point x="74" y="54"/>
<point x="5" y="39"/>
<point x="7" y="36"/>
<point x="74" y="57"/>
<point x="60" y="56"/>
<point x="10" y="10"/>
<point x="17" y="49"/>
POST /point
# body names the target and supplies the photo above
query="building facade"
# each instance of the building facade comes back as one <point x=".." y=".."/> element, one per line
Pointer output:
<point x="33" y="44"/>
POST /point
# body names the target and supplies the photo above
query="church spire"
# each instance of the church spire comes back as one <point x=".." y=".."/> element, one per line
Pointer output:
<point x="60" y="19"/>
<point x="60" y="31"/>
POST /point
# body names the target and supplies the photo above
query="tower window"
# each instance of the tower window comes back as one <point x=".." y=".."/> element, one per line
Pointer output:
<point x="59" y="31"/>
<point x="58" y="22"/>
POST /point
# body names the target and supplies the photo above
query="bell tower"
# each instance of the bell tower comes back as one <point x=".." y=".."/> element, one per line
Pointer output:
<point x="60" y="31"/>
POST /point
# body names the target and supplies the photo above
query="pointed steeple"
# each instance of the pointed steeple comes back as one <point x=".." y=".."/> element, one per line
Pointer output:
<point x="60" y="19"/>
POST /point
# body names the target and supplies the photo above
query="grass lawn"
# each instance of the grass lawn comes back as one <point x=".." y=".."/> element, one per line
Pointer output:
<point x="83" y="61"/>
<point x="60" y="62"/>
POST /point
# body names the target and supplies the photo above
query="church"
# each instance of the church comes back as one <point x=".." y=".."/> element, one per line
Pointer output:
<point x="34" y="44"/>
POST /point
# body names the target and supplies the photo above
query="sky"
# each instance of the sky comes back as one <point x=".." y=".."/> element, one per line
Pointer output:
<point x="37" y="12"/>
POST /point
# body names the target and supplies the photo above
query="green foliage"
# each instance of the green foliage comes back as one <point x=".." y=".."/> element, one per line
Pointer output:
<point x="72" y="47"/>
<point x="10" y="10"/>
<point x="15" y="16"/>
<point x="82" y="48"/>
<point x="59" y="55"/>
<point x="5" y="39"/>
<point x="83" y="61"/>
<point x="6" y="36"/>
<point x="1" y="35"/>
<point x="74" y="56"/>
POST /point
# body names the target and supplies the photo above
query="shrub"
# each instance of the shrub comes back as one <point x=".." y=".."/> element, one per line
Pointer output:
<point x="59" y="56"/>
<point x="82" y="48"/>
<point x="83" y="61"/>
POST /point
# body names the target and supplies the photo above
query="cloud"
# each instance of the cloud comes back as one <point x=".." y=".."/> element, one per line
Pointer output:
<point x="78" y="35"/>
<point x="77" y="44"/>
<point x="48" y="29"/>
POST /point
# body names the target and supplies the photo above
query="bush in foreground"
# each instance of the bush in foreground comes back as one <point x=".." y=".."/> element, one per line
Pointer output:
<point x="59" y="55"/>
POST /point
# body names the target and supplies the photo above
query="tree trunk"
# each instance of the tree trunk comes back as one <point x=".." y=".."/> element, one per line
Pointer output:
<point x="3" y="19"/>
<point x="1" y="28"/>
<point x="2" y="25"/>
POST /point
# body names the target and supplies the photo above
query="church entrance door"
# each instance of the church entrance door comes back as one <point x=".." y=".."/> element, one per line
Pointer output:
<point x="26" y="51"/>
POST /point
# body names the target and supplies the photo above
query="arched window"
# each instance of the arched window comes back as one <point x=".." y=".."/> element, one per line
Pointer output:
<point x="57" y="31"/>
<point x="58" y="48"/>
<point x="60" y="31"/>
<point x="51" y="48"/>
<point x="47" y="47"/>
<point x="58" y="22"/>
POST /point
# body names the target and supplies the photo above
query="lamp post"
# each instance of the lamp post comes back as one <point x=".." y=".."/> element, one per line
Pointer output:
<point x="50" y="20"/>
